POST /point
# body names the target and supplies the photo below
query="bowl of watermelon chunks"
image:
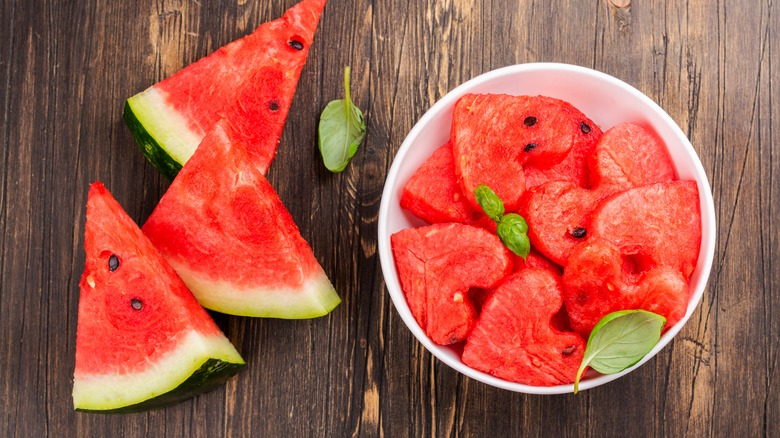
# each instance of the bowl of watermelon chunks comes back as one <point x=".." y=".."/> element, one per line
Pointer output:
<point x="527" y="210"/>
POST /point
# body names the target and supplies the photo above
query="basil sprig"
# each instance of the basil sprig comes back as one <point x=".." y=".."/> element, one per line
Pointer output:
<point x="511" y="228"/>
<point x="620" y="340"/>
<point x="341" y="130"/>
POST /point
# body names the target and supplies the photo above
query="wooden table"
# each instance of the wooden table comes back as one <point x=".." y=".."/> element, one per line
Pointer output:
<point x="67" y="67"/>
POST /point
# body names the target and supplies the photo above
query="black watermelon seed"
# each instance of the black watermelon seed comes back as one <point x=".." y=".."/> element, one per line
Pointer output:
<point x="529" y="147"/>
<point x="529" y="121"/>
<point x="568" y="350"/>
<point x="295" y="44"/>
<point x="585" y="128"/>
<point x="113" y="263"/>
<point x="273" y="106"/>
<point x="579" y="232"/>
<point x="137" y="304"/>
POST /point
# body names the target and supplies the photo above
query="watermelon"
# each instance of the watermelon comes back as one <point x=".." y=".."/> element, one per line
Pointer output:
<point x="250" y="81"/>
<point x="225" y="231"/>
<point x="661" y="219"/>
<point x="495" y="136"/>
<point x="142" y="339"/>
<point x="433" y="193"/>
<point x="438" y="265"/>
<point x="600" y="278"/>
<point x="516" y="338"/>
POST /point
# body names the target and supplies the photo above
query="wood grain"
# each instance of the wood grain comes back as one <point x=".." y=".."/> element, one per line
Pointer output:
<point x="67" y="66"/>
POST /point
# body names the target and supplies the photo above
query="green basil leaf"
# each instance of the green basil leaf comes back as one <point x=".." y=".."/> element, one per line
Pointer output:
<point x="490" y="202"/>
<point x="341" y="130"/>
<point x="512" y="231"/>
<point x="620" y="340"/>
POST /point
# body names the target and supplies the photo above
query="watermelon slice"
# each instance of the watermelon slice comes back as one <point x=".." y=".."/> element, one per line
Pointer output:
<point x="142" y="339"/>
<point x="437" y="265"/>
<point x="516" y="338"/>
<point x="225" y="231"/>
<point x="250" y="81"/>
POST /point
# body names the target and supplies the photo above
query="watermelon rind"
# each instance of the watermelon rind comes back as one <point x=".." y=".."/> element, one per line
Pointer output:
<point x="313" y="299"/>
<point x="199" y="363"/>
<point x="153" y="124"/>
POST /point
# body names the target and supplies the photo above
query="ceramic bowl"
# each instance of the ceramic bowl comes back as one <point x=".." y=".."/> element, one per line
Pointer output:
<point x="603" y="98"/>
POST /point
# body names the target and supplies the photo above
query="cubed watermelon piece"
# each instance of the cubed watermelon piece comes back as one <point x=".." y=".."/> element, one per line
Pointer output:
<point x="663" y="220"/>
<point x="600" y="278"/>
<point x="495" y="136"/>
<point x="437" y="265"/>
<point x="515" y="337"/>
<point x="630" y="155"/>
<point x="433" y="193"/>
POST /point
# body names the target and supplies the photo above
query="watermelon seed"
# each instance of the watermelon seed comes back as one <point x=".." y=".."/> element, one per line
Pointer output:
<point x="568" y="350"/>
<point x="273" y="106"/>
<point x="113" y="263"/>
<point x="529" y="121"/>
<point x="579" y="232"/>
<point x="585" y="128"/>
<point x="529" y="147"/>
<point x="136" y="304"/>
<point x="295" y="44"/>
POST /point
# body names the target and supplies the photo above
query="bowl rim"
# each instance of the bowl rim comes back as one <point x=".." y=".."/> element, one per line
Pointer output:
<point x="593" y="379"/>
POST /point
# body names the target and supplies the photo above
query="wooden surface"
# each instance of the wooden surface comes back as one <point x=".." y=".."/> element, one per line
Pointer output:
<point x="66" y="67"/>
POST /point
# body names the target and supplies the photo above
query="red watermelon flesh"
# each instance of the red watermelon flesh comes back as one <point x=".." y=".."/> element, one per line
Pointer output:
<point x="574" y="167"/>
<point x="141" y="333"/>
<point x="600" y="279"/>
<point x="433" y="193"/>
<point x="226" y="232"/>
<point x="515" y="338"/>
<point x="662" y="220"/>
<point x="438" y="265"/>
<point x="495" y="136"/>
<point x="250" y="81"/>
<point x="558" y="216"/>
<point x="630" y="155"/>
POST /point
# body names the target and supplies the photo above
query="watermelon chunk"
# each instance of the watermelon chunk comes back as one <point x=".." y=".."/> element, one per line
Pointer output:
<point x="663" y="220"/>
<point x="225" y="231"/>
<point x="142" y="339"/>
<point x="629" y="155"/>
<point x="515" y="337"/>
<point x="600" y="278"/>
<point x="250" y="81"/>
<point x="438" y="265"/>
<point x="495" y="136"/>
<point x="433" y="193"/>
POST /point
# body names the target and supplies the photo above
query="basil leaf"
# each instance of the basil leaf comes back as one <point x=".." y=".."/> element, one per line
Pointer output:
<point x="512" y="231"/>
<point x="620" y="340"/>
<point x="490" y="202"/>
<point x="341" y="130"/>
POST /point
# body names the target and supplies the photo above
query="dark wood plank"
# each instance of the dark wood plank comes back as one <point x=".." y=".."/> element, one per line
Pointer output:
<point x="67" y="67"/>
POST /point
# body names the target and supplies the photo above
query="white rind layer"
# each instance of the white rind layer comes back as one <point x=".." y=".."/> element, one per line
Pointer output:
<point x="316" y="297"/>
<point x="103" y="392"/>
<point x="166" y="125"/>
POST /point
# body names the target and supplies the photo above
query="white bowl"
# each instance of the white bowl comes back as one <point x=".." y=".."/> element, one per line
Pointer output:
<point x="604" y="99"/>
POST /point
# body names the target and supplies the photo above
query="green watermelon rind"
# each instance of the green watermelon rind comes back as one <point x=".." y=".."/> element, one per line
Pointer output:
<point x="198" y="365"/>
<point x="315" y="298"/>
<point x="161" y="132"/>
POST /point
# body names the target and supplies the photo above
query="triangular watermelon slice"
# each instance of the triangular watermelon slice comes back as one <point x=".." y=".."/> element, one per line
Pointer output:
<point x="142" y="339"/>
<point x="250" y="81"/>
<point x="226" y="232"/>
